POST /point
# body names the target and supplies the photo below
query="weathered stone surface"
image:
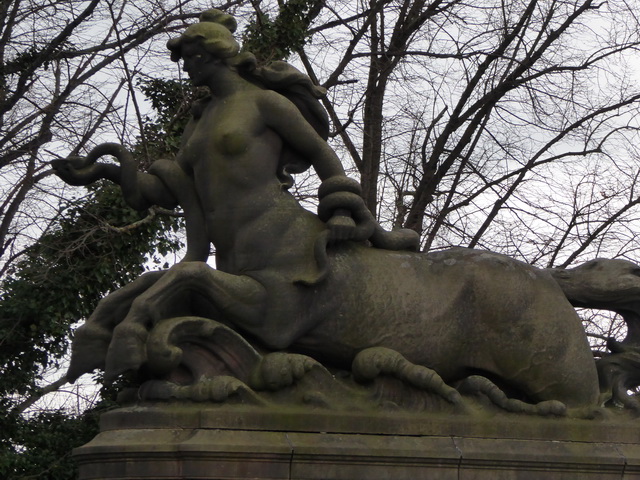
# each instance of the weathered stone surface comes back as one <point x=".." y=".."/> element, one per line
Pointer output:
<point x="334" y="287"/>
<point x="186" y="441"/>
<point x="324" y="347"/>
<point x="333" y="348"/>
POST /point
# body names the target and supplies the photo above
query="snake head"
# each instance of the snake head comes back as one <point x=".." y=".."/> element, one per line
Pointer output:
<point x="68" y="169"/>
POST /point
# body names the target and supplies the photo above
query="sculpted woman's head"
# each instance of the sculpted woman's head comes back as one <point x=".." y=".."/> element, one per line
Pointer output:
<point x="214" y="32"/>
<point x="206" y="44"/>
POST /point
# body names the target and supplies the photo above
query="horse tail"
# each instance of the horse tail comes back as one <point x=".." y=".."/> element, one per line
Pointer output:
<point x="614" y="285"/>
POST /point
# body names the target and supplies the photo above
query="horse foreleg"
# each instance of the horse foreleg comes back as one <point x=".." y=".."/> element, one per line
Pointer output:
<point x="91" y="341"/>
<point x="190" y="288"/>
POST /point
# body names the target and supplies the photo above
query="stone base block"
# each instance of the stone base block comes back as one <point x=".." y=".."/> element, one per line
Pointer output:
<point x="191" y="442"/>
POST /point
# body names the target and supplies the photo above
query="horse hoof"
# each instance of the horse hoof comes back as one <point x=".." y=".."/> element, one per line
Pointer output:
<point x="89" y="351"/>
<point x="127" y="351"/>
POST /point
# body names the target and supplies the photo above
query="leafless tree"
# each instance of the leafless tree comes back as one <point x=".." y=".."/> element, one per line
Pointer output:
<point x="503" y="125"/>
<point x="507" y="125"/>
<point x="68" y="73"/>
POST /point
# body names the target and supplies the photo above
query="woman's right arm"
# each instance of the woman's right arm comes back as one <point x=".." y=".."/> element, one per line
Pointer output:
<point x="140" y="190"/>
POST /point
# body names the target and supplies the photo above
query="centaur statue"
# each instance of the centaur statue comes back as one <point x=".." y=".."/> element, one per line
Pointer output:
<point x="333" y="287"/>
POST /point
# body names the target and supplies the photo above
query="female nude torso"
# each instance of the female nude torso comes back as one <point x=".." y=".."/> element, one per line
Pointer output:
<point x="233" y="157"/>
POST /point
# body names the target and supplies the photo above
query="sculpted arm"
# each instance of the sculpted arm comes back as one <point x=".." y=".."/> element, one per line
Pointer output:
<point x="340" y="201"/>
<point x="282" y="116"/>
<point x="285" y="119"/>
<point x="140" y="190"/>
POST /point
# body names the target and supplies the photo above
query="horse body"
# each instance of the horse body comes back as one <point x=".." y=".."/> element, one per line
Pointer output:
<point x="459" y="312"/>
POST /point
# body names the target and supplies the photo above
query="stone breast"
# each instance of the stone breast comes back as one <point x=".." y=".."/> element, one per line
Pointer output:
<point x="232" y="141"/>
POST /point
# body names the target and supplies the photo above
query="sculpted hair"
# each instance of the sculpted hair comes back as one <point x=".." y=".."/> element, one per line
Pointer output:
<point x="214" y="32"/>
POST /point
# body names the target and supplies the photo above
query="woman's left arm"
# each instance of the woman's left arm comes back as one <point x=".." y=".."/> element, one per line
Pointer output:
<point x="340" y="202"/>
<point x="285" y="119"/>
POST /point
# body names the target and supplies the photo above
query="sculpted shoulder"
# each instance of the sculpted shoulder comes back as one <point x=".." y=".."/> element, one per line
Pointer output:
<point x="271" y="103"/>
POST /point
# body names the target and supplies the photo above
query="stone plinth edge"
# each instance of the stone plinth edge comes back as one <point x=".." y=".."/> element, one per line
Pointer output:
<point x="226" y="442"/>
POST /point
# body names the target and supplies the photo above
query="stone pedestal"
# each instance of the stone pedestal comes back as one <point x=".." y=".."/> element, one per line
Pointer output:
<point x="189" y="441"/>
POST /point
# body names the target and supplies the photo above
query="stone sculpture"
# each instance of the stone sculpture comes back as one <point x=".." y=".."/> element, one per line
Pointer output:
<point x="296" y="296"/>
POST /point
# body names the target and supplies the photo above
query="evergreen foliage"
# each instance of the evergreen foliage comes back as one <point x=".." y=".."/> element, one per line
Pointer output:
<point x="95" y="245"/>
<point x="276" y="38"/>
<point x="47" y="440"/>
<point x="91" y="249"/>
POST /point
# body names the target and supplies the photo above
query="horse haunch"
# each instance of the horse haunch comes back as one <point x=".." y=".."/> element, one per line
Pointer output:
<point x="458" y="312"/>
